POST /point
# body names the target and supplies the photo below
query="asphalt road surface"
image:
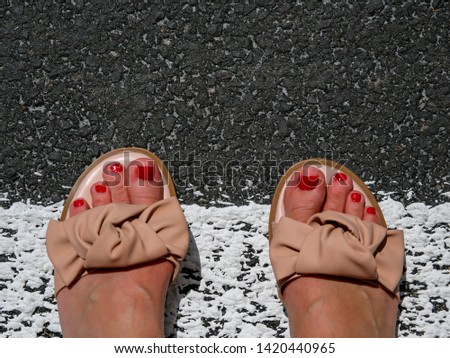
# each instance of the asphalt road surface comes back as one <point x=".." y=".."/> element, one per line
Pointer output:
<point x="228" y="94"/>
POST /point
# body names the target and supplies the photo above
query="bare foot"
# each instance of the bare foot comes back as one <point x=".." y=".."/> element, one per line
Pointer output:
<point x="322" y="306"/>
<point x="119" y="303"/>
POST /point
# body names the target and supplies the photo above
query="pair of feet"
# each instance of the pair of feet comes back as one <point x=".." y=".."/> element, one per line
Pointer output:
<point x="130" y="302"/>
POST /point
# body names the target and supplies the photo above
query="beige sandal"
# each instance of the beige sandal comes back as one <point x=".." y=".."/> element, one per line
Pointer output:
<point x="116" y="235"/>
<point x="333" y="243"/>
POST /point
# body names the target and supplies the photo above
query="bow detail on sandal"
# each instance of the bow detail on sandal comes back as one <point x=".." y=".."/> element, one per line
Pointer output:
<point x="337" y="244"/>
<point x="116" y="236"/>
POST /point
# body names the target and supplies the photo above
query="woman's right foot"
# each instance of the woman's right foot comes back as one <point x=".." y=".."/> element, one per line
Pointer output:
<point x="322" y="306"/>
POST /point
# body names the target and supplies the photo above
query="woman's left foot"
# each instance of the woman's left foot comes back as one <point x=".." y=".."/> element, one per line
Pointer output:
<point x="122" y="302"/>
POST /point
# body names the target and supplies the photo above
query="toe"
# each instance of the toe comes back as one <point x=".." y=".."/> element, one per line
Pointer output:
<point x="78" y="206"/>
<point x="370" y="214"/>
<point x="354" y="204"/>
<point x="101" y="194"/>
<point x="337" y="192"/>
<point x="114" y="179"/>
<point x="304" y="194"/>
<point x="146" y="185"/>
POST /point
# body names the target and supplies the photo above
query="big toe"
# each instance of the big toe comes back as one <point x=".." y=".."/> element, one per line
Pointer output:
<point x="146" y="184"/>
<point x="305" y="193"/>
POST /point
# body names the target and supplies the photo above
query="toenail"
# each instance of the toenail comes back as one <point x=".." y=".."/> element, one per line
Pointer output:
<point x="340" y="177"/>
<point x="308" y="182"/>
<point x="79" y="202"/>
<point x="145" y="172"/>
<point x="115" y="167"/>
<point x="356" y="197"/>
<point x="371" y="210"/>
<point x="100" y="188"/>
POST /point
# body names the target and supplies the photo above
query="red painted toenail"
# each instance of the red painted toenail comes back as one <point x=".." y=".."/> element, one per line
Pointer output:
<point x="79" y="202"/>
<point x="340" y="177"/>
<point x="100" y="188"/>
<point x="356" y="197"/>
<point x="145" y="172"/>
<point x="308" y="182"/>
<point x="115" y="167"/>
<point x="371" y="210"/>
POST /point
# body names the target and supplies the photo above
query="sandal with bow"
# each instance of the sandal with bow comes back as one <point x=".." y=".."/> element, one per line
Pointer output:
<point x="332" y="243"/>
<point x="116" y="235"/>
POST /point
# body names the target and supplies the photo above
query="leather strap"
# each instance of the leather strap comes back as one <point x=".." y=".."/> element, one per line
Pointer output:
<point x="116" y="236"/>
<point x="337" y="244"/>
